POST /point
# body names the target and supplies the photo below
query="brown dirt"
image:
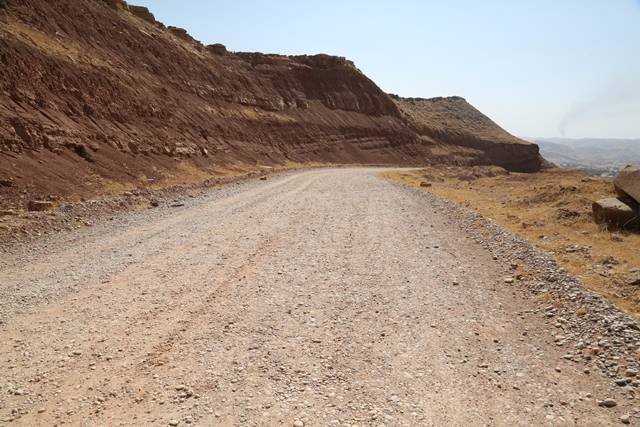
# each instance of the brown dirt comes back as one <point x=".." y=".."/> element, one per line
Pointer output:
<point x="551" y="209"/>
<point x="94" y="90"/>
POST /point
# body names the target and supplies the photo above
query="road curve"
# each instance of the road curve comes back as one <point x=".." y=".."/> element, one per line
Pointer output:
<point x="324" y="297"/>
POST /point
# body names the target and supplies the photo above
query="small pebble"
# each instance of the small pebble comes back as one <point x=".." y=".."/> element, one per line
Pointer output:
<point x="608" y="403"/>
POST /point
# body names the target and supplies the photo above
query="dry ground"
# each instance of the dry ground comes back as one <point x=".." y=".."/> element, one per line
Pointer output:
<point x="326" y="297"/>
<point x="552" y="210"/>
<point x="103" y="198"/>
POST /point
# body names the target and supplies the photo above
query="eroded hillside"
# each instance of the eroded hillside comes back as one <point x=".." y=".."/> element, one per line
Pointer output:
<point x="453" y="121"/>
<point x="99" y="91"/>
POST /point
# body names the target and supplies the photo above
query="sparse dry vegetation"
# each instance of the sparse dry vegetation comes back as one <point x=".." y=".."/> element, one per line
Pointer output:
<point x="551" y="209"/>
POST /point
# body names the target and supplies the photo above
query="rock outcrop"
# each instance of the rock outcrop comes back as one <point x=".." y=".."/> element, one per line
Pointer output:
<point x="627" y="184"/>
<point x="615" y="213"/>
<point x="139" y="11"/>
<point x="217" y="49"/>
<point x="141" y="98"/>
<point x="453" y="121"/>
<point x="623" y="211"/>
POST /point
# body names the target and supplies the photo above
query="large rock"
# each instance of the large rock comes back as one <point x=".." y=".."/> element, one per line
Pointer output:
<point x="616" y="213"/>
<point x="627" y="183"/>
<point x="40" y="205"/>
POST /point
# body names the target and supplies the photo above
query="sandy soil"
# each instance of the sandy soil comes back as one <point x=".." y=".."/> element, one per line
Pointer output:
<point x="326" y="297"/>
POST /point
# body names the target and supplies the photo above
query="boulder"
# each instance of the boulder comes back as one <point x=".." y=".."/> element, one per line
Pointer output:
<point x="634" y="279"/>
<point x="616" y="213"/>
<point x="627" y="184"/>
<point x="40" y="205"/>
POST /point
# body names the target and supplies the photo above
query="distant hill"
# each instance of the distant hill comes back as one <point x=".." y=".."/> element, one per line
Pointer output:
<point x="599" y="156"/>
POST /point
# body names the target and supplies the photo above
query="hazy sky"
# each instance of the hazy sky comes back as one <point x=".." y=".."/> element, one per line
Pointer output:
<point x="538" y="67"/>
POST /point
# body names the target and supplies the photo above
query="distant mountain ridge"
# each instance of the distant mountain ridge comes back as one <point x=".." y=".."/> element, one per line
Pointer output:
<point x="600" y="156"/>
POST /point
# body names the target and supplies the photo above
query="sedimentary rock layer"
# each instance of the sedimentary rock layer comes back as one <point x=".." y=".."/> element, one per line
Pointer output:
<point x="99" y="88"/>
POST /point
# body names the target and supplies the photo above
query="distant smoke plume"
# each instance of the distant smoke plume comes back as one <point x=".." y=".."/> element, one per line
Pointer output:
<point x="613" y="100"/>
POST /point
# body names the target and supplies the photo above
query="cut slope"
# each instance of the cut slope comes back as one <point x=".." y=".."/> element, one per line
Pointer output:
<point x="98" y="88"/>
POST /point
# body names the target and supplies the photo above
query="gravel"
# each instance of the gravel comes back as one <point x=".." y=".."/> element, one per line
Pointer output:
<point x="594" y="331"/>
<point x="322" y="297"/>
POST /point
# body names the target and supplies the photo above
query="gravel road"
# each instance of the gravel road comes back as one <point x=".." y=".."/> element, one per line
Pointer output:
<point x="324" y="297"/>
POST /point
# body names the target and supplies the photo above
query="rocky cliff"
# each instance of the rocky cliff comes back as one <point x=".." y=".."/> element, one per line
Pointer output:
<point x="452" y="120"/>
<point x="99" y="88"/>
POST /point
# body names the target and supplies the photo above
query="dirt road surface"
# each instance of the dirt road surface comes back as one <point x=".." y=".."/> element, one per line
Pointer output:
<point x="324" y="297"/>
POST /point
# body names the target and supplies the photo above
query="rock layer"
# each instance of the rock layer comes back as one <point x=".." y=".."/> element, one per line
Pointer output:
<point x="452" y="120"/>
<point x="121" y="97"/>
